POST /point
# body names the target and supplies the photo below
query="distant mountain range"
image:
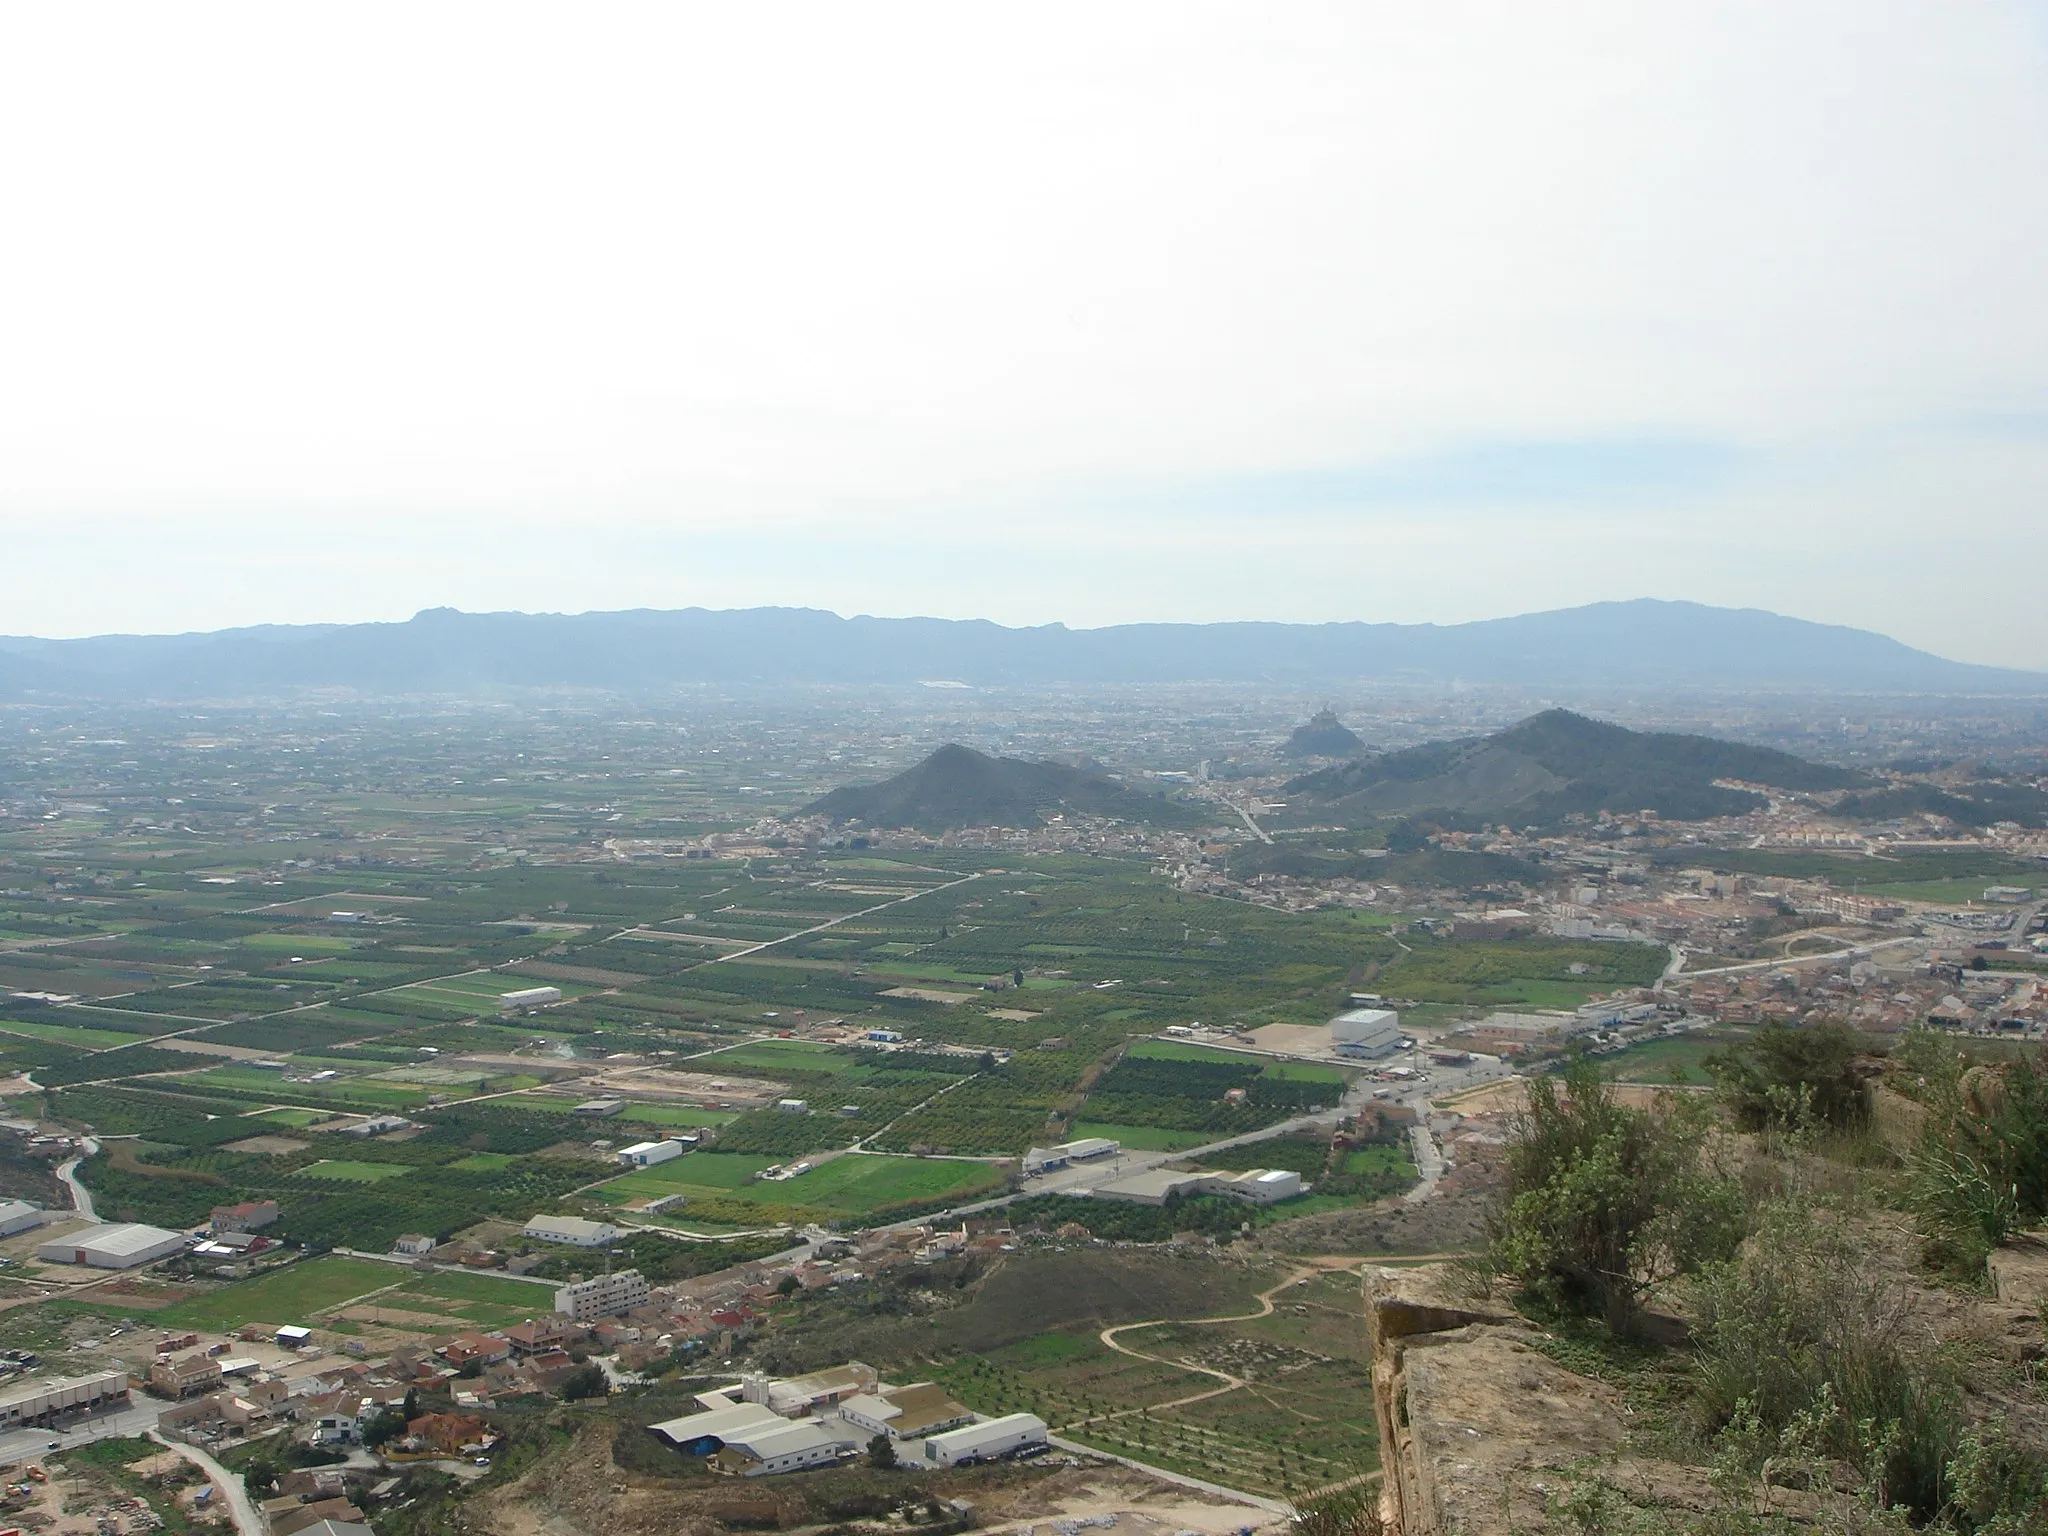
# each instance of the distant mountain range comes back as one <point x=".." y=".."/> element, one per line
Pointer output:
<point x="959" y="787"/>
<point x="1633" y="644"/>
<point x="1555" y="763"/>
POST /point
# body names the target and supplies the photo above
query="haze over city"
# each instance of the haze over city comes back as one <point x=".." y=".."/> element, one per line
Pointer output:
<point x="1087" y="314"/>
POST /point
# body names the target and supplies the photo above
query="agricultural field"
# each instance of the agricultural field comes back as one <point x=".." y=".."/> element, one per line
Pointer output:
<point x="330" y="933"/>
<point x="1027" y="1336"/>
<point x="296" y="1294"/>
<point x="1669" y="1059"/>
<point x="855" y="1187"/>
<point x="342" y="1171"/>
<point x="320" y="1292"/>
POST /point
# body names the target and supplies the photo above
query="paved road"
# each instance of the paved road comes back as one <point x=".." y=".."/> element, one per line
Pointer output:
<point x="1856" y="952"/>
<point x="247" y="1521"/>
<point x="1429" y="1160"/>
<point x="81" y="1197"/>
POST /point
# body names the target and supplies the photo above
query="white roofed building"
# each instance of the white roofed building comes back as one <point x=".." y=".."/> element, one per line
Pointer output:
<point x="121" y="1245"/>
<point x="572" y="1230"/>
<point x="1366" y="1032"/>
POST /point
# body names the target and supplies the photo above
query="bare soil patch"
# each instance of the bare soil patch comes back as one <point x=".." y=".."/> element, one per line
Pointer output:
<point x="268" y="1146"/>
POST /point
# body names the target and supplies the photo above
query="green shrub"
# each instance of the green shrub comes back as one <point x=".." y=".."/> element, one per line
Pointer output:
<point x="1794" y="1079"/>
<point x="1605" y="1202"/>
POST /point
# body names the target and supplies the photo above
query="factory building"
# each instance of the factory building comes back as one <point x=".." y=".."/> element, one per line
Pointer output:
<point x="1368" y="1033"/>
<point x="48" y="1401"/>
<point x="121" y="1245"/>
<point x="528" y="997"/>
<point x="981" y="1442"/>
<point x="1155" y="1186"/>
<point x="905" y="1413"/>
<point x="751" y="1440"/>
<point x="1045" y="1159"/>
<point x="572" y="1230"/>
<point x="18" y="1216"/>
<point x="645" y="1154"/>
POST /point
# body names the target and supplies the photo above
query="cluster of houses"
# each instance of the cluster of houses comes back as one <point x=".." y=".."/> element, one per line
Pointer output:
<point x="327" y="1501"/>
<point x="1880" y="997"/>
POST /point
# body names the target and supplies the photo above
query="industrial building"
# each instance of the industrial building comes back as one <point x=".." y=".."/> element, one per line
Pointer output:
<point x="1155" y="1186"/>
<point x="1045" y="1159"/>
<point x="572" y="1230"/>
<point x="982" y="1442"/>
<point x="585" y="1301"/>
<point x="1540" y="1026"/>
<point x="528" y="997"/>
<point x="1366" y="1032"/>
<point x="905" y="1413"/>
<point x="48" y="1401"/>
<point x="645" y="1154"/>
<point x="795" y="1396"/>
<point x="18" y="1216"/>
<point x="121" y="1245"/>
<point x="751" y="1440"/>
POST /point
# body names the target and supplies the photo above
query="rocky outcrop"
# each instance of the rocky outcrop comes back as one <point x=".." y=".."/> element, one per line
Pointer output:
<point x="2019" y="1271"/>
<point x="1480" y="1430"/>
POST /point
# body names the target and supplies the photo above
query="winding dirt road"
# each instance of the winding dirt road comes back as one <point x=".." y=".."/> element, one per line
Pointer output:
<point x="1230" y="1383"/>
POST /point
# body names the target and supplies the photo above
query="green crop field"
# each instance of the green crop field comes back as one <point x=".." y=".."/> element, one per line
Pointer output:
<point x="1142" y="1138"/>
<point x="777" y="1056"/>
<point x="296" y="1294"/>
<point x="342" y="1171"/>
<point x="852" y="1186"/>
<point x="293" y="1117"/>
<point x="72" y="1034"/>
<point x="1670" y="1059"/>
<point x="484" y="1161"/>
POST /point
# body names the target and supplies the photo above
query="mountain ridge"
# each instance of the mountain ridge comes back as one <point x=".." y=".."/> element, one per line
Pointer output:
<point x="959" y="787"/>
<point x="1642" y="642"/>
<point x="1557" y="763"/>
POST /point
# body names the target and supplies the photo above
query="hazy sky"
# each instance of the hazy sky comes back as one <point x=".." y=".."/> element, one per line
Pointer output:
<point x="1086" y="312"/>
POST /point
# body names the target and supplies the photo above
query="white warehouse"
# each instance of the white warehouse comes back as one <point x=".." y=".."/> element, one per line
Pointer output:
<point x="573" y="1230"/>
<point x="122" y="1245"/>
<point x="1368" y="1032"/>
<point x="528" y="997"/>
<point x="645" y="1154"/>
<point x="980" y="1442"/>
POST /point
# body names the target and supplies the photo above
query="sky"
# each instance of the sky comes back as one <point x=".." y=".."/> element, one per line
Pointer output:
<point x="1078" y="312"/>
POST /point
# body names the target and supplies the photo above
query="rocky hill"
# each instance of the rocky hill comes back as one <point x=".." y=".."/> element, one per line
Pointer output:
<point x="1324" y="736"/>
<point x="959" y="787"/>
<point x="1558" y="762"/>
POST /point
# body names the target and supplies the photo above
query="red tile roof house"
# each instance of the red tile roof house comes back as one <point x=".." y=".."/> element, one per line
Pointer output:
<point x="550" y="1370"/>
<point x="536" y="1335"/>
<point x="480" y="1347"/>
